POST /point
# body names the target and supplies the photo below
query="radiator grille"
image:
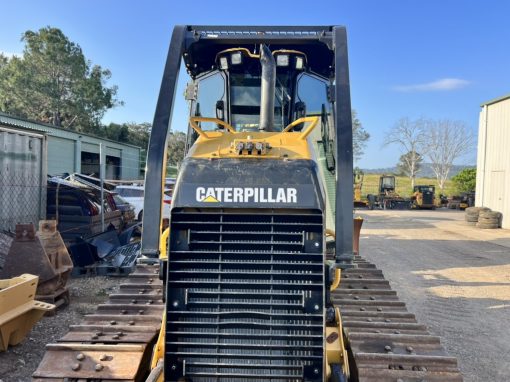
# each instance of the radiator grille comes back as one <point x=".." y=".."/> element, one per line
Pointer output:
<point x="245" y="296"/>
<point x="428" y="198"/>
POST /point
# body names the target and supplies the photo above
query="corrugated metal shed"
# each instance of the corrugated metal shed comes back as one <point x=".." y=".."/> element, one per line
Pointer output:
<point x="66" y="148"/>
<point x="22" y="177"/>
<point x="493" y="163"/>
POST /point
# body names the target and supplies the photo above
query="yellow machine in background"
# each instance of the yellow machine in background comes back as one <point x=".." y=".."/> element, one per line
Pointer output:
<point x="358" y="176"/>
<point x="424" y="197"/>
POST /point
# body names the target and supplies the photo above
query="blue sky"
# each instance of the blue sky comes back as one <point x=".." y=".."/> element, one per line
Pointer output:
<point x="434" y="58"/>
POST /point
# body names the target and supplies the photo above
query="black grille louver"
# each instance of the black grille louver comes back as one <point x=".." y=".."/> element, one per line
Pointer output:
<point x="245" y="296"/>
<point x="428" y="198"/>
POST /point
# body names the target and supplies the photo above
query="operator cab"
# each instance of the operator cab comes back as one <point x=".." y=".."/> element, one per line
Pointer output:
<point x="387" y="183"/>
<point x="232" y="88"/>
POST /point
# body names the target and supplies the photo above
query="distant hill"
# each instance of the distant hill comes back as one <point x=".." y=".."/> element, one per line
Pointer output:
<point x="425" y="172"/>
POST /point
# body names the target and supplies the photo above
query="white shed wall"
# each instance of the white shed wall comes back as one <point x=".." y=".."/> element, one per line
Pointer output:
<point x="493" y="162"/>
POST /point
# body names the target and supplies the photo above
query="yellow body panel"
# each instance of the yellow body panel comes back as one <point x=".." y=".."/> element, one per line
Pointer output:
<point x="281" y="145"/>
<point x="284" y="145"/>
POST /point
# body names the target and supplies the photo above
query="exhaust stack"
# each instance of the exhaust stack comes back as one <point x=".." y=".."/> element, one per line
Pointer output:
<point x="267" y="89"/>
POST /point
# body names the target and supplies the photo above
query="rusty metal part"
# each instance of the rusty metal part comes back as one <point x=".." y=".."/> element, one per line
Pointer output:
<point x="43" y="254"/>
<point x="18" y="309"/>
<point x="358" y="222"/>
<point x="115" y="343"/>
<point x="60" y="362"/>
<point x="55" y="250"/>
<point x="385" y="341"/>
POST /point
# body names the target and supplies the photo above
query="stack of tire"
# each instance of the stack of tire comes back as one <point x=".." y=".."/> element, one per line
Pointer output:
<point x="488" y="219"/>
<point x="483" y="217"/>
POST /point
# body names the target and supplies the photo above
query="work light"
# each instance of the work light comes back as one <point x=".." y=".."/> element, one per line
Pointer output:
<point x="282" y="60"/>
<point x="236" y="58"/>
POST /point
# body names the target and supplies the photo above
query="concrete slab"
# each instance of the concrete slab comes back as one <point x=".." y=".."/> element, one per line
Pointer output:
<point x="453" y="276"/>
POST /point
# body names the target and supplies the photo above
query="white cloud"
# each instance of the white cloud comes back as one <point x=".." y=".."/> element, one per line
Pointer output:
<point x="10" y="54"/>
<point x="443" y="84"/>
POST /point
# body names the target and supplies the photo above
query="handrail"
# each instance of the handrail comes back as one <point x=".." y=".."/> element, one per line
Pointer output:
<point x="193" y="122"/>
<point x="313" y="122"/>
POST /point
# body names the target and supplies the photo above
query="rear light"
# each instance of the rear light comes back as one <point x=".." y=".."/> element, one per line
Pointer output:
<point x="93" y="210"/>
<point x="168" y="201"/>
<point x="112" y="203"/>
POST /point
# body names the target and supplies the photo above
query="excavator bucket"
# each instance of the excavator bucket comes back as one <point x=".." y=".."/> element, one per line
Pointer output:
<point x="56" y="252"/>
<point x="18" y="310"/>
<point x="43" y="254"/>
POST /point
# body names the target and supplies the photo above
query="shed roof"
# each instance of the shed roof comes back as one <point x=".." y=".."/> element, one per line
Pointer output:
<point x="496" y="100"/>
<point x="14" y="121"/>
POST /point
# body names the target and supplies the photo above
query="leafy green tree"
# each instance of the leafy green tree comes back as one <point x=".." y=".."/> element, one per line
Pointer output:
<point x="53" y="82"/>
<point x="3" y="61"/>
<point x="116" y="132"/>
<point x="176" y="146"/>
<point x="465" y="180"/>
<point x="139" y="134"/>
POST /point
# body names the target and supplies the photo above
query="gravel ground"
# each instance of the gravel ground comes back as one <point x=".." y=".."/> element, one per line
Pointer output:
<point x="454" y="277"/>
<point x="19" y="362"/>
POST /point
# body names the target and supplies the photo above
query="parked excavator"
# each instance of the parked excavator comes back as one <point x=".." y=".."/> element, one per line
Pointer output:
<point x="387" y="197"/>
<point x="246" y="288"/>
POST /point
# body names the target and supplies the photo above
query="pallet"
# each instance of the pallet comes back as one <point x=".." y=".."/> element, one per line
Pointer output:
<point x="120" y="262"/>
<point x="60" y="298"/>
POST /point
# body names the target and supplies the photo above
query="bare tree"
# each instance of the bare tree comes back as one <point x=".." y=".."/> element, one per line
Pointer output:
<point x="411" y="161"/>
<point x="409" y="135"/>
<point x="359" y="136"/>
<point x="447" y="141"/>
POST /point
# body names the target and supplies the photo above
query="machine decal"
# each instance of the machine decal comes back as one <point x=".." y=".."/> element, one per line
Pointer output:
<point x="286" y="195"/>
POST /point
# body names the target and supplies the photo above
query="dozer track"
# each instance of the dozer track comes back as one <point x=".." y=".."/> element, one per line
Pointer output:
<point x="116" y="342"/>
<point x="385" y="342"/>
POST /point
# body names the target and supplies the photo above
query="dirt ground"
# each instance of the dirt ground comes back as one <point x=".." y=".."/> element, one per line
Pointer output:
<point x="454" y="277"/>
<point x="19" y="362"/>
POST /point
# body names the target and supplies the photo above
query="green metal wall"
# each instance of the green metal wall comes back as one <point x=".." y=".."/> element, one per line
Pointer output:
<point x="60" y="155"/>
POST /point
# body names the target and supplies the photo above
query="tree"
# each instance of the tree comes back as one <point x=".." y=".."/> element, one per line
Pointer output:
<point x="447" y="141"/>
<point x="53" y="82"/>
<point x="116" y="132"/>
<point x="139" y="134"/>
<point x="176" y="146"/>
<point x="465" y="180"/>
<point x="410" y="165"/>
<point x="409" y="135"/>
<point x="359" y="136"/>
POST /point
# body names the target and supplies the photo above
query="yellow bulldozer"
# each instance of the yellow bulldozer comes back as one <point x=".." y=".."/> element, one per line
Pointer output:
<point x="240" y="287"/>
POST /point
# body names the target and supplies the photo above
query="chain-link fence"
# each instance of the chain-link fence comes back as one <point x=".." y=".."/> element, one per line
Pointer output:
<point x="22" y="198"/>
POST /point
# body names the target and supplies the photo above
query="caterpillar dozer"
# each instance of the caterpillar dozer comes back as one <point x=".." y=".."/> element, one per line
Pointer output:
<point x="247" y="290"/>
<point x="424" y="197"/>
